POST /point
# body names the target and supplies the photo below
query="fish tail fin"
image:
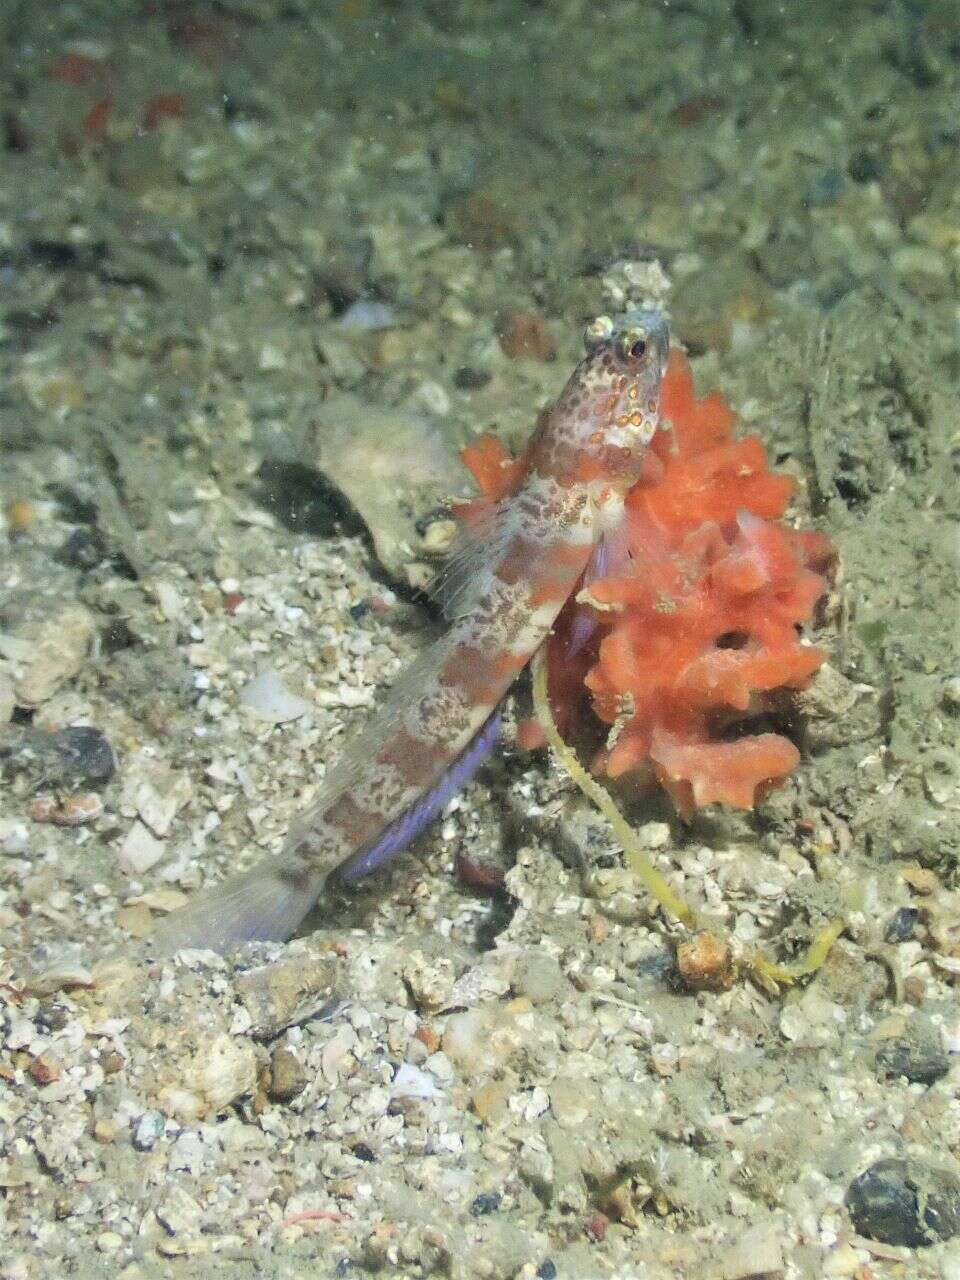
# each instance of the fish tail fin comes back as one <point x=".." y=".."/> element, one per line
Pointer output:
<point x="264" y="904"/>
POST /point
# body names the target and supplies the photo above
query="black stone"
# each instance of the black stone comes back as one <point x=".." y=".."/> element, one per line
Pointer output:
<point x="85" y="548"/>
<point x="918" y="1054"/>
<point x="66" y="758"/>
<point x="469" y="378"/>
<point x="85" y="752"/>
<point x="547" y="1270"/>
<point x="51" y="1017"/>
<point x="902" y="923"/>
<point x="486" y="1202"/>
<point x="905" y="1202"/>
<point x="863" y="166"/>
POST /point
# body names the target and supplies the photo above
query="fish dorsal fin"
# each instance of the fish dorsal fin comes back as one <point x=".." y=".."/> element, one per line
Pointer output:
<point x="479" y="547"/>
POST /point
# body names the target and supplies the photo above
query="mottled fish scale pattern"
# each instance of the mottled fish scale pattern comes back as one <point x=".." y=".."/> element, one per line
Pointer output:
<point x="524" y="563"/>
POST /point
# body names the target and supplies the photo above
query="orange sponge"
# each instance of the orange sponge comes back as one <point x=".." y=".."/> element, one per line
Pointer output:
<point x="693" y="625"/>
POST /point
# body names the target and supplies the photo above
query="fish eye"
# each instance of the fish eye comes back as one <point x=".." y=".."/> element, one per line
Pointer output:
<point x="633" y="344"/>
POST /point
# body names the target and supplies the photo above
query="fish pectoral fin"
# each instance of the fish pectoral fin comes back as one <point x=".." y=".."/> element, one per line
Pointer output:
<point x="264" y="904"/>
<point x="478" y="548"/>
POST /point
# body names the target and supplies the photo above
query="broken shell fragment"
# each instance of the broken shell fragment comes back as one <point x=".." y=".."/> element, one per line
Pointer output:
<point x="67" y="811"/>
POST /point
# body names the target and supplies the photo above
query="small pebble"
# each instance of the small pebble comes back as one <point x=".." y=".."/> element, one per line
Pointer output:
<point x="705" y="963"/>
<point x="149" y="1128"/>
<point x="524" y="335"/>
<point x="288" y="993"/>
<point x="8" y="701"/>
<point x="58" y="652"/>
<point x="863" y="166"/>
<point x="179" y="1212"/>
<point x="843" y="1260"/>
<point x="432" y="396"/>
<point x="438" y="537"/>
<point x="60" y="975"/>
<point x="367" y="314"/>
<point x="469" y="378"/>
<point x="905" y="1202"/>
<point x="140" y="850"/>
<point x="20" y="514"/>
<point x="924" y="270"/>
<point x="42" y="1071"/>
<point x="210" y="1079"/>
<point x="596" y="1226"/>
<point x="538" y="976"/>
<point x="269" y="699"/>
<point x="104" y="1130"/>
<point x="288" y="1079"/>
<point x="153" y="791"/>
<point x="918" y="1054"/>
<point x="483" y="875"/>
<point x="758" y="1252"/>
<point x="411" y="1082"/>
<point x="136" y="919"/>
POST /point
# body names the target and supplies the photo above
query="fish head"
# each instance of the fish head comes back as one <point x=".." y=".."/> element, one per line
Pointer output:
<point x="608" y="412"/>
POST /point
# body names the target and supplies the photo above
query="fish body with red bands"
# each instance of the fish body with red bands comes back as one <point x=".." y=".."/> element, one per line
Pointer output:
<point x="502" y="589"/>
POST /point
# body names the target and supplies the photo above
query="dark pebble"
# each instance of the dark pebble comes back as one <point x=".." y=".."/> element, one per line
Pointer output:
<point x="148" y="1130"/>
<point x="658" y="966"/>
<point x="902" y="923"/>
<point x="51" y="1017"/>
<point x="303" y="500"/>
<point x="83" y="549"/>
<point x="905" y="1202"/>
<point x="63" y="255"/>
<point x="86" y="753"/>
<point x="918" y="1054"/>
<point x="363" y="1152"/>
<point x="288" y="1078"/>
<point x="863" y="167"/>
<point x="547" y="1270"/>
<point x="68" y="757"/>
<point x="486" y="1202"/>
<point x="468" y="378"/>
